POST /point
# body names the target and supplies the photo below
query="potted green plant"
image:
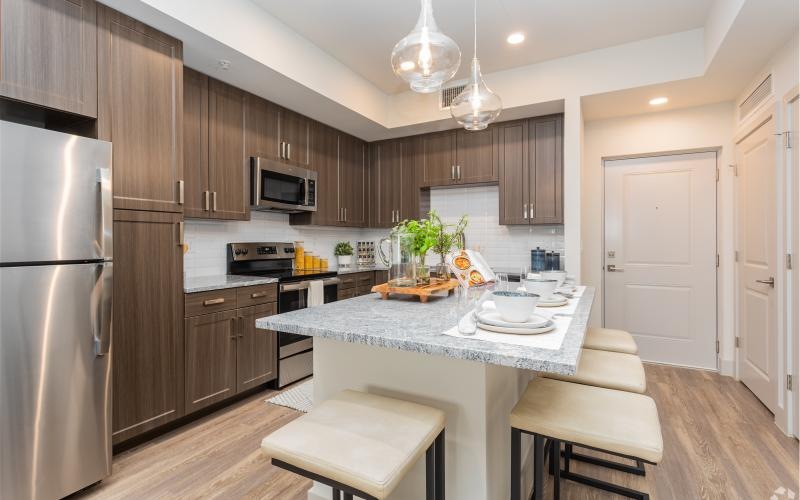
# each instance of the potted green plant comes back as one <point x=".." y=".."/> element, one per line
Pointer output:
<point x="344" y="253"/>
<point x="423" y="233"/>
<point x="445" y="240"/>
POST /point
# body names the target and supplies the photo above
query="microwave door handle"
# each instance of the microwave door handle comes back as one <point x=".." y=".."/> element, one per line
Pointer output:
<point x="257" y="192"/>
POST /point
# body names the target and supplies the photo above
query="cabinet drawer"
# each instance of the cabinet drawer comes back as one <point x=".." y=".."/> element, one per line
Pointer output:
<point x="365" y="280"/>
<point x="346" y="294"/>
<point x="363" y="290"/>
<point x="252" y="295"/>
<point x="209" y="302"/>
<point x="381" y="277"/>
<point x="347" y="281"/>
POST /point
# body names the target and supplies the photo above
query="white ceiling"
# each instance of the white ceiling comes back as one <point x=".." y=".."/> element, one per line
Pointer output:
<point x="361" y="34"/>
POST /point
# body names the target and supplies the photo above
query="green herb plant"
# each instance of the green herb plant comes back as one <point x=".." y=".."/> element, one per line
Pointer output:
<point x="343" y="248"/>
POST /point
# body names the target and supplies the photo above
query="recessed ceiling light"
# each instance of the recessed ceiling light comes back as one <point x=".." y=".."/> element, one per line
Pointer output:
<point x="658" y="101"/>
<point x="407" y="65"/>
<point x="516" y="38"/>
<point x="224" y="64"/>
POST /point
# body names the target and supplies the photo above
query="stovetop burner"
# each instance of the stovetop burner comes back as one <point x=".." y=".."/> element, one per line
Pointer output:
<point x="273" y="260"/>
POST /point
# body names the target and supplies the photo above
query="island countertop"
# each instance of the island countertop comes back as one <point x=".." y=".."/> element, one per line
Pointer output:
<point x="406" y="324"/>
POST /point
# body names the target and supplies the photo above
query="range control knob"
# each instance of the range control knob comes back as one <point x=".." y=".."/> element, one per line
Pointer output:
<point x="238" y="251"/>
<point x="245" y="251"/>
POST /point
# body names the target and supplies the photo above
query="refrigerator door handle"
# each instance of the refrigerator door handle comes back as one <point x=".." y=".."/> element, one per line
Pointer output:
<point x="104" y="208"/>
<point x="101" y="300"/>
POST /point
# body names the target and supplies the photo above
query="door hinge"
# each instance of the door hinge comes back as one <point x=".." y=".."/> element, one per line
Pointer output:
<point x="717" y="346"/>
<point x="736" y="256"/>
<point x="735" y="169"/>
<point x="789" y="383"/>
<point x="737" y="342"/>
<point x="717" y="174"/>
<point x="717" y="260"/>
<point x="787" y="139"/>
<point x="789" y="261"/>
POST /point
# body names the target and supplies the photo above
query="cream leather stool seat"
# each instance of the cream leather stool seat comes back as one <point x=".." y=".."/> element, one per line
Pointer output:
<point x="616" y="422"/>
<point x="612" y="370"/>
<point x="361" y="444"/>
<point x="608" y="339"/>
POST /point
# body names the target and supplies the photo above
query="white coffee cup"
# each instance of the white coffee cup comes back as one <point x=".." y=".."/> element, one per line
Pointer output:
<point x="541" y="287"/>
<point x="515" y="307"/>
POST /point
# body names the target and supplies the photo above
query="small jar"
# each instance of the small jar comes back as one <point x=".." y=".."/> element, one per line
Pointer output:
<point x="299" y="255"/>
<point x="308" y="261"/>
<point x="323" y="264"/>
<point x="315" y="262"/>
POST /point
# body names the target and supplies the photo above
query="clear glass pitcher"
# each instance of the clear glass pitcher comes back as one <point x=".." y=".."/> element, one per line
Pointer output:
<point x="399" y="258"/>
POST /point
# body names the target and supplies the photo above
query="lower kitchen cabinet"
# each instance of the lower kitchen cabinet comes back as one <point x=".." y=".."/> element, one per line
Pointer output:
<point x="210" y="359"/>
<point x="224" y="351"/>
<point x="147" y="350"/>
<point x="356" y="284"/>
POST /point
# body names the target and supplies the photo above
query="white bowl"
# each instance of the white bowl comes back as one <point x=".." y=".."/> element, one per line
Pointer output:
<point x="541" y="287"/>
<point x="559" y="276"/>
<point x="515" y="307"/>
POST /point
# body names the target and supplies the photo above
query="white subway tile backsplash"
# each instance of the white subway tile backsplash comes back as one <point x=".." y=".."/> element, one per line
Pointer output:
<point x="503" y="246"/>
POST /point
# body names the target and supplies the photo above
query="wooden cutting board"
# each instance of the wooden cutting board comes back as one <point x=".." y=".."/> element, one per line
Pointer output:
<point x="423" y="292"/>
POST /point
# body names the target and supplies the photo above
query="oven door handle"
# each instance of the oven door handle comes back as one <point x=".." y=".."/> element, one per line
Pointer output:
<point x="303" y="285"/>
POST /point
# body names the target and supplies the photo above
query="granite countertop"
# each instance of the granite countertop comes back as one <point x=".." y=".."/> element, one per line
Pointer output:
<point x="206" y="283"/>
<point x="408" y="325"/>
<point x="360" y="269"/>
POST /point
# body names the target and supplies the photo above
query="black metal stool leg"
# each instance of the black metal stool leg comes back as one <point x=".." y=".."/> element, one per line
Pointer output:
<point x="430" y="473"/>
<point x="516" y="458"/>
<point x="337" y="494"/>
<point x="440" y="465"/>
<point x="348" y="496"/>
<point x="555" y="467"/>
<point x="538" y="467"/>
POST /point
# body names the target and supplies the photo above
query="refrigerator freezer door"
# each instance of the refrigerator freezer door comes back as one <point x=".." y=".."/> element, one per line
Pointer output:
<point x="55" y="196"/>
<point x="55" y="411"/>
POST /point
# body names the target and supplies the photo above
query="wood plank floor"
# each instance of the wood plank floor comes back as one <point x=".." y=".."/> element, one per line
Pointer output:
<point x="719" y="443"/>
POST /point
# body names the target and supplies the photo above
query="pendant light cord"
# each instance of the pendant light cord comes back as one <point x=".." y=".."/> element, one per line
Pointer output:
<point x="475" y="29"/>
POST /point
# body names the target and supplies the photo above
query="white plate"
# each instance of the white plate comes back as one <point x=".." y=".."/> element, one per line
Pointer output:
<point x="494" y="318"/>
<point x="567" y="289"/>
<point x="550" y="326"/>
<point x="556" y="303"/>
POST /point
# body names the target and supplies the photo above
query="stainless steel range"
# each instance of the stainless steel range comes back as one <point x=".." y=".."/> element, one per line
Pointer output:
<point x="276" y="260"/>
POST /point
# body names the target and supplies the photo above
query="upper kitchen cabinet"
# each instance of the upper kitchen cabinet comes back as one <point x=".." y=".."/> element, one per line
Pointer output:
<point x="325" y="161"/>
<point x="394" y="193"/>
<point x="140" y="110"/>
<point x="262" y="121"/>
<point x="48" y="54"/>
<point x="458" y="157"/>
<point x="530" y="159"/>
<point x="294" y="132"/>
<point x="546" y="170"/>
<point x="353" y="203"/>
<point x="228" y="170"/>
<point x="512" y="159"/>
<point x="197" y="193"/>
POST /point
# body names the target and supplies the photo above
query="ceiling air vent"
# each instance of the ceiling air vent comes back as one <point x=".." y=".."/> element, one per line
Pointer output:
<point x="758" y="96"/>
<point x="448" y="94"/>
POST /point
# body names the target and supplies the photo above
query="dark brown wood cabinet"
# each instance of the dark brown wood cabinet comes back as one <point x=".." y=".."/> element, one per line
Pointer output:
<point x="224" y="351"/>
<point x="140" y="110"/>
<point x="325" y="161"/>
<point x="438" y="152"/>
<point x="353" y="177"/>
<point x="216" y="164"/>
<point x="48" y="54"/>
<point x="458" y="157"/>
<point x="394" y="192"/>
<point x="262" y="122"/>
<point x="547" y="169"/>
<point x="294" y="132"/>
<point x="148" y="337"/>
<point x="530" y="159"/>
<point x="512" y="158"/>
<point x="210" y="355"/>
<point x="257" y="349"/>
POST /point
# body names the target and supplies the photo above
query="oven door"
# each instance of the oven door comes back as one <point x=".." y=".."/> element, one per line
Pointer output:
<point x="277" y="186"/>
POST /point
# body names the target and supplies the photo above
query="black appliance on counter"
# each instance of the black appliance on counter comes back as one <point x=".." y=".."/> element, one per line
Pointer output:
<point x="276" y="260"/>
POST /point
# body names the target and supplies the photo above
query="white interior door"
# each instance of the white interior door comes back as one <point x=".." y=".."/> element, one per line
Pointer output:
<point x="756" y="228"/>
<point x="660" y="255"/>
<point x="793" y="177"/>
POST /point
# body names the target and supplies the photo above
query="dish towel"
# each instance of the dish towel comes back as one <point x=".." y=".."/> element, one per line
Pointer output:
<point x="316" y="293"/>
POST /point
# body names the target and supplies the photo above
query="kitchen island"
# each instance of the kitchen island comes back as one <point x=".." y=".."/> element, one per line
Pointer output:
<point x="397" y="348"/>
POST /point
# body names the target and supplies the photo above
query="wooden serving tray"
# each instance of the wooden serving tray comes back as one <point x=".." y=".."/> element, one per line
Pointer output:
<point x="423" y="292"/>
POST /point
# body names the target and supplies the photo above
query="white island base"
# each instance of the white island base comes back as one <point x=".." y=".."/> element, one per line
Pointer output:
<point x="477" y="398"/>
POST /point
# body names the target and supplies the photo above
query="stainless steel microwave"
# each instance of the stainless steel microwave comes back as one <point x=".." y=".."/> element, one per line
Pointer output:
<point x="279" y="187"/>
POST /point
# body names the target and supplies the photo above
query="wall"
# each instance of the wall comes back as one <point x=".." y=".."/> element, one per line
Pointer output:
<point x="504" y="247"/>
<point x="208" y="239"/>
<point x="699" y="127"/>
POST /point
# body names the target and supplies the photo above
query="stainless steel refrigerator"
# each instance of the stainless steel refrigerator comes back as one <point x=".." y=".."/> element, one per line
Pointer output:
<point x="55" y="312"/>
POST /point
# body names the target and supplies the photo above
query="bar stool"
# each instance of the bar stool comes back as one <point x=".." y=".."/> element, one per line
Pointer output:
<point x="362" y="444"/>
<point x="615" y="422"/>
<point x="612" y="370"/>
<point x="608" y="339"/>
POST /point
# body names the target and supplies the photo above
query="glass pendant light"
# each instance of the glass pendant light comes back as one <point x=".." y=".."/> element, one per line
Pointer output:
<point x="476" y="106"/>
<point x="426" y="57"/>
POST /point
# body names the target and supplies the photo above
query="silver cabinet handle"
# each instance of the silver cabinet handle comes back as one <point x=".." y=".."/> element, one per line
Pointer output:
<point x="345" y="214"/>
<point x="180" y="192"/>
<point x="206" y="201"/>
<point x="288" y="150"/>
<point x="532" y="210"/>
<point x="452" y="172"/>
<point x="525" y="211"/>
<point x="283" y="149"/>
<point x="213" y="302"/>
<point x="214" y="201"/>
<point x="770" y="282"/>
<point x="458" y="172"/>
<point x="614" y="269"/>
<point x="180" y="234"/>
<point x="258" y="295"/>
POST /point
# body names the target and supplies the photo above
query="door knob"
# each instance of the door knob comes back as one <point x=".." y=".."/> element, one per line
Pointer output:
<point x="770" y="282"/>
<point x="614" y="269"/>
